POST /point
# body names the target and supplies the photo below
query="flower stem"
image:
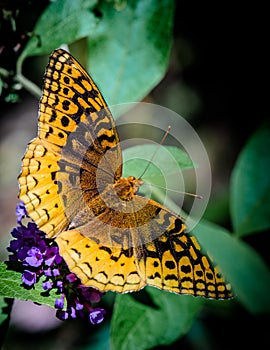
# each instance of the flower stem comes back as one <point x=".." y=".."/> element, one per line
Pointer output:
<point x="28" y="85"/>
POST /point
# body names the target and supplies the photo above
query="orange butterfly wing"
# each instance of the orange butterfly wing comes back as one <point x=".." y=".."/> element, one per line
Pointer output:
<point x="73" y="118"/>
<point x="110" y="238"/>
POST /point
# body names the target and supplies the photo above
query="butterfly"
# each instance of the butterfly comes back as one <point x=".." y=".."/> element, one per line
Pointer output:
<point x="71" y="184"/>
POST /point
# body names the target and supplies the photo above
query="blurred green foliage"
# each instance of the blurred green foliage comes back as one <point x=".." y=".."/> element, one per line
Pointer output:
<point x="126" y="46"/>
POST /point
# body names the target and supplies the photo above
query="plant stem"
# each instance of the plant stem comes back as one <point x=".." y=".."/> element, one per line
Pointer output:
<point x="28" y="85"/>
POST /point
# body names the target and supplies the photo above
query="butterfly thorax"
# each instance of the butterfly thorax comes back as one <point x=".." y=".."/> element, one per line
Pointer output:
<point x="113" y="206"/>
<point x="127" y="187"/>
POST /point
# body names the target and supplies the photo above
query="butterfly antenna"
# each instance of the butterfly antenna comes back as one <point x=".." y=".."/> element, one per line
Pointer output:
<point x="175" y="191"/>
<point x="156" y="151"/>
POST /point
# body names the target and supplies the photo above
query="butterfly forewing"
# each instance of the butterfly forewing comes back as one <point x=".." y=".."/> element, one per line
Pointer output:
<point x="75" y="131"/>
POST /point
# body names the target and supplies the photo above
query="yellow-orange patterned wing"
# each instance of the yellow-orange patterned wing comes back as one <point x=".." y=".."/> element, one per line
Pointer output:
<point x="73" y="118"/>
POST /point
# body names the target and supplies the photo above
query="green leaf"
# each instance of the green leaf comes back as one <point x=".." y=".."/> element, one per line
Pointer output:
<point x="62" y="22"/>
<point x="136" y="159"/>
<point x="129" y="53"/>
<point x="139" y="326"/>
<point x="128" y="49"/>
<point x="11" y="287"/>
<point x="1" y="85"/>
<point x="250" y="186"/>
<point x="239" y="263"/>
<point x="99" y="338"/>
<point x="5" y="310"/>
<point x="4" y="304"/>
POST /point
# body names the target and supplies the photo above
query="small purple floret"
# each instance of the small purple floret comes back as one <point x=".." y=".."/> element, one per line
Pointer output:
<point x="48" y="272"/>
<point x="59" y="285"/>
<point x="96" y="316"/>
<point x="52" y="256"/>
<point x="20" y="212"/>
<point x="59" y="302"/>
<point x="62" y="315"/>
<point x="71" y="277"/>
<point x="56" y="272"/>
<point x="34" y="258"/>
<point x="29" y="278"/>
<point x="47" y="285"/>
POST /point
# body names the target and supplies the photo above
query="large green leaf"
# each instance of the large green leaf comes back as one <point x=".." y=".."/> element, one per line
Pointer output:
<point x="163" y="171"/>
<point x="128" y="49"/>
<point x="167" y="160"/>
<point x="250" y="186"/>
<point x="129" y="53"/>
<point x="11" y="287"/>
<point x="241" y="265"/>
<point x="5" y="311"/>
<point x="62" y="22"/>
<point x="138" y="326"/>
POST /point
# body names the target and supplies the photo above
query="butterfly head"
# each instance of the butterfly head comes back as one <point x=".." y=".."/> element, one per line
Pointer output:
<point x="127" y="187"/>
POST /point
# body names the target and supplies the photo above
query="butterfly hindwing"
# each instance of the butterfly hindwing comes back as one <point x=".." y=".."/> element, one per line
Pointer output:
<point x="155" y="250"/>
<point x="99" y="266"/>
<point x="174" y="261"/>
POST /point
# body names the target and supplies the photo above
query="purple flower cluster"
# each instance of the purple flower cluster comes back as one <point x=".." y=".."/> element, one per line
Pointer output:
<point x="40" y="259"/>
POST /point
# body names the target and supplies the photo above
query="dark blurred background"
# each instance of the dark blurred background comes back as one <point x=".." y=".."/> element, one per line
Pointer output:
<point x="216" y="79"/>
